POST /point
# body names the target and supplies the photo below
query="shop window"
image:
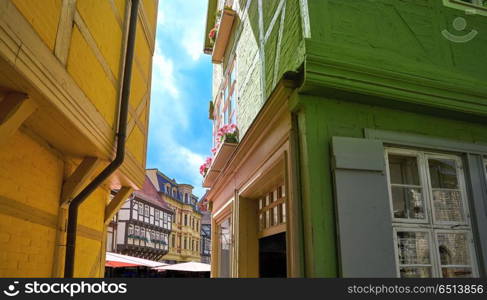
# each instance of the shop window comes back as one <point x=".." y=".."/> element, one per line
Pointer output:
<point x="432" y="231"/>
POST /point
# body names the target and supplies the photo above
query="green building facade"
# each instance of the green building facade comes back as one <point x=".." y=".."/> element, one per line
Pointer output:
<point x="386" y="109"/>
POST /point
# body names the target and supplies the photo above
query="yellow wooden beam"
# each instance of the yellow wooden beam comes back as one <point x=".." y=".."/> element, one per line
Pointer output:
<point x="64" y="30"/>
<point x="117" y="201"/>
<point x="15" y="108"/>
<point x="73" y="185"/>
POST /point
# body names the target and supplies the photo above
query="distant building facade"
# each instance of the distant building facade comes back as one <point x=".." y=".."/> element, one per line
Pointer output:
<point x="142" y="226"/>
<point x="185" y="239"/>
<point x="205" y="230"/>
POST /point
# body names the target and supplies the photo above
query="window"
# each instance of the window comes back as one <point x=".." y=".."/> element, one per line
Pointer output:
<point x="481" y="3"/>
<point x="224" y="257"/>
<point x="141" y="211"/>
<point x="135" y="210"/>
<point x="185" y="239"/>
<point x="130" y="234"/>
<point x="156" y="217"/>
<point x="185" y="220"/>
<point x="225" y="102"/>
<point x="272" y="210"/>
<point x="173" y="241"/>
<point x="432" y="230"/>
<point x="146" y="210"/>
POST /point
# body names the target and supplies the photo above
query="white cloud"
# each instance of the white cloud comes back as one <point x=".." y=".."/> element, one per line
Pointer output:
<point x="186" y="24"/>
<point x="164" y="73"/>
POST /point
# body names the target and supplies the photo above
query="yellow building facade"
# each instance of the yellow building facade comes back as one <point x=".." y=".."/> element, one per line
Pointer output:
<point x="185" y="238"/>
<point x="62" y="65"/>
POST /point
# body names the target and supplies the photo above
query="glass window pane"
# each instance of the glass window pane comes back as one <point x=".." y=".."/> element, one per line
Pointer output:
<point x="448" y="206"/>
<point x="407" y="202"/>
<point x="443" y="173"/>
<point x="275" y="215"/>
<point x="403" y="169"/>
<point x="284" y="213"/>
<point x="456" y="272"/>
<point x="453" y="248"/>
<point x="413" y="247"/>
<point x="224" y="253"/>
<point x="415" y="272"/>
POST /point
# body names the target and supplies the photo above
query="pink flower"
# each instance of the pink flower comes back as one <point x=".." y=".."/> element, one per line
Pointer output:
<point x="213" y="150"/>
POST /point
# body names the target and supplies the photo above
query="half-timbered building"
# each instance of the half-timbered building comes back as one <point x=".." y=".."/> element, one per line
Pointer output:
<point x="142" y="226"/>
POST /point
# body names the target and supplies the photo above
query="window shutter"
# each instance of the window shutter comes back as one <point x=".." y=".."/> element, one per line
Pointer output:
<point x="364" y="228"/>
<point x="478" y="208"/>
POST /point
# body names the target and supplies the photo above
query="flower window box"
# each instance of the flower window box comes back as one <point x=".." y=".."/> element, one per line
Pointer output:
<point x="220" y="34"/>
<point x="227" y="143"/>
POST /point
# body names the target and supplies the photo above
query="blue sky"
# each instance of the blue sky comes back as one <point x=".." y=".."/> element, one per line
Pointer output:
<point x="179" y="129"/>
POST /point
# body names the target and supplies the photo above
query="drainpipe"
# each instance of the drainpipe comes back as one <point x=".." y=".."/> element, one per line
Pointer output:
<point x="119" y="157"/>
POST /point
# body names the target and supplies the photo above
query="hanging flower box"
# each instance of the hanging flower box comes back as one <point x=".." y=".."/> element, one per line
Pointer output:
<point x="220" y="34"/>
<point x="227" y="138"/>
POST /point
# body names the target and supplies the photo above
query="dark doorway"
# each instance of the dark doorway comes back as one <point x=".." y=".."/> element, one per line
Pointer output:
<point x="272" y="256"/>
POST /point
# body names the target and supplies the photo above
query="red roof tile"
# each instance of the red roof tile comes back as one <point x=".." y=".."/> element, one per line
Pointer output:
<point x="149" y="194"/>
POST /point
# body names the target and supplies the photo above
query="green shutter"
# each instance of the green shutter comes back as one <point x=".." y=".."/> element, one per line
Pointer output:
<point x="364" y="226"/>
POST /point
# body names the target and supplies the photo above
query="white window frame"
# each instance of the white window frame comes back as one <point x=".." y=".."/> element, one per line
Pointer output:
<point x="433" y="227"/>
<point x="422" y="184"/>
<point x="433" y="260"/>
<point x="469" y="8"/>
<point x="461" y="182"/>
<point x="471" y="250"/>
<point x="476" y="3"/>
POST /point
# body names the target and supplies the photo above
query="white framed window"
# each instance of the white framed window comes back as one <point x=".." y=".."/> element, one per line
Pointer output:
<point x="480" y="3"/>
<point x="430" y="215"/>
<point x="156" y="217"/>
<point x="478" y="7"/>
<point x="130" y="237"/>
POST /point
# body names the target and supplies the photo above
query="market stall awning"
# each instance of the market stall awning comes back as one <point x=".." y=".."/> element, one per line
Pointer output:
<point x="187" y="267"/>
<point x="118" y="264"/>
<point x="116" y="260"/>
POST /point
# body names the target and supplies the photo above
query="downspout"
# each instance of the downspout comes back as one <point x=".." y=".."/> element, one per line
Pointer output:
<point x="119" y="157"/>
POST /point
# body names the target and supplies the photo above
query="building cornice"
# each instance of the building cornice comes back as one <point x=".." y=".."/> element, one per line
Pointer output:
<point x="412" y="83"/>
